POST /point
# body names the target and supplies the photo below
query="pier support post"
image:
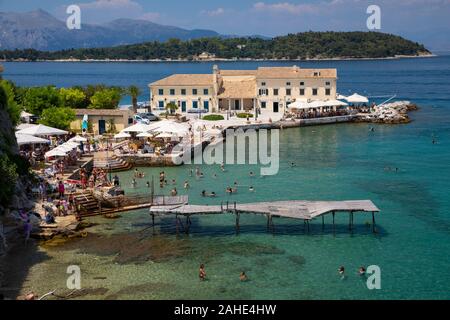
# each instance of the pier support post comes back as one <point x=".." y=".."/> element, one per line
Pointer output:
<point x="176" y="222"/>
<point x="373" y="222"/>
<point x="307" y="223"/>
<point x="237" y="221"/>
<point x="323" y="222"/>
<point x="153" y="219"/>
<point x="334" y="226"/>
<point x="188" y="223"/>
<point x="350" y="220"/>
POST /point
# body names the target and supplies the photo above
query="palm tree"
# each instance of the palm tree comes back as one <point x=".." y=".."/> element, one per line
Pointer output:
<point x="134" y="92"/>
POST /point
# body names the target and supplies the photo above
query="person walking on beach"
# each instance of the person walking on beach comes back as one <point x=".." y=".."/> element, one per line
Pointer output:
<point x="61" y="189"/>
<point x="202" y="272"/>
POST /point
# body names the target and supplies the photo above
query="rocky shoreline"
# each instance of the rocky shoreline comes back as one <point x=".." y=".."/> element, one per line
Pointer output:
<point x="390" y="113"/>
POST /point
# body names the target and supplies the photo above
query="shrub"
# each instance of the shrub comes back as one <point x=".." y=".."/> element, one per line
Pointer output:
<point x="244" y="115"/>
<point x="213" y="117"/>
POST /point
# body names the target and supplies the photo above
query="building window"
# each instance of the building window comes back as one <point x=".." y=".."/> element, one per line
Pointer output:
<point x="172" y="92"/>
<point x="316" y="74"/>
<point x="275" y="92"/>
<point x="263" y="104"/>
<point x="263" y="84"/>
<point x="302" y="92"/>
<point x="161" y="104"/>
<point x="288" y="84"/>
<point x="130" y="120"/>
<point x="161" y="92"/>
<point x="183" y="92"/>
<point x="194" y="91"/>
<point x="288" y="92"/>
<point x="206" y="105"/>
<point x="262" y="92"/>
<point x="195" y="104"/>
<point x="328" y="83"/>
<point x="314" y="92"/>
<point x="328" y="92"/>
<point x="302" y="83"/>
<point x="205" y="92"/>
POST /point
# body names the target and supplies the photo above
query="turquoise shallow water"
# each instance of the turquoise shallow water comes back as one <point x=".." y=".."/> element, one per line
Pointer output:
<point x="333" y="162"/>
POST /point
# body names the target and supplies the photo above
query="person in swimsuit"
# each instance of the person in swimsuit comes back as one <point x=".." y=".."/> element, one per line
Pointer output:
<point x="202" y="272"/>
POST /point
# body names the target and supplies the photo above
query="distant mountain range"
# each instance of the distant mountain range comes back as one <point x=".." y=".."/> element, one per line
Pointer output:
<point x="41" y="31"/>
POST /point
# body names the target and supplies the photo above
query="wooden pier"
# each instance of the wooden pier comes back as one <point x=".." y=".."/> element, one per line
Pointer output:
<point x="294" y="209"/>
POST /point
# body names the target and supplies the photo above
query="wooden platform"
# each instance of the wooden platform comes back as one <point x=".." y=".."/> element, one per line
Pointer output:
<point x="296" y="209"/>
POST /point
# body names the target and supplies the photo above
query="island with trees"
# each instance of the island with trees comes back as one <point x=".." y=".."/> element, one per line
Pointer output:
<point x="300" y="46"/>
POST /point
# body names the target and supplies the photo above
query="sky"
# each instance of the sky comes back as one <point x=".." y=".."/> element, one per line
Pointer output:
<point x="425" y="21"/>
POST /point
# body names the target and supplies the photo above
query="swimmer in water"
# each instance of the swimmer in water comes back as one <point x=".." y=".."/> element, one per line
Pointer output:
<point x="292" y="164"/>
<point x="362" y="271"/>
<point x="243" y="276"/>
<point x="212" y="194"/>
<point x="173" y="192"/>
<point x="204" y="193"/>
<point x="186" y="184"/>
<point x="222" y="167"/>
<point x="341" y="271"/>
<point x="251" y="189"/>
<point x="202" y="272"/>
<point x="251" y="174"/>
<point x="148" y="184"/>
<point x="133" y="183"/>
<point x="174" y="181"/>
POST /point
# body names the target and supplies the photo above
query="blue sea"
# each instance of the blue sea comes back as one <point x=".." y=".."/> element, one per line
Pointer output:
<point x="126" y="258"/>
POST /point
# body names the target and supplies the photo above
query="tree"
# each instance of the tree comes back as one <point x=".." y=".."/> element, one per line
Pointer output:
<point x="12" y="106"/>
<point x="134" y="92"/>
<point x="73" y="98"/>
<point x="58" y="117"/>
<point x="171" y="108"/>
<point x="106" y="99"/>
<point x="37" y="99"/>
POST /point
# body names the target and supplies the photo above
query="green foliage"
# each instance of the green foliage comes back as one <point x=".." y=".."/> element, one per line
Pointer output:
<point x="73" y="97"/>
<point x="244" y="115"/>
<point x="37" y="99"/>
<point x="12" y="106"/>
<point x="293" y="46"/>
<point x="58" y="117"/>
<point x="111" y="126"/>
<point x="134" y="92"/>
<point x="8" y="179"/>
<point x="213" y="117"/>
<point x="106" y="99"/>
<point x="171" y="107"/>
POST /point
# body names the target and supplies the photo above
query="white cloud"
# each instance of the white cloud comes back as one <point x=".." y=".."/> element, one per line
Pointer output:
<point x="99" y="11"/>
<point x="213" y="13"/>
<point x="285" y="7"/>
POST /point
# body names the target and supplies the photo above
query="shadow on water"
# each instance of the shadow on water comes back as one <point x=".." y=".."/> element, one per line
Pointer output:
<point x="281" y="227"/>
<point x="16" y="264"/>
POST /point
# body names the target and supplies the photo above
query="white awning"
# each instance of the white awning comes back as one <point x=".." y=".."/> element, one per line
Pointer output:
<point x="356" y="98"/>
<point x="144" y="135"/>
<point x="42" y="130"/>
<point x="23" y="139"/>
<point x="170" y="127"/>
<point x="25" y="126"/>
<point x="165" y="135"/>
<point x="122" y="135"/>
<point x="78" y="139"/>
<point x="138" y="127"/>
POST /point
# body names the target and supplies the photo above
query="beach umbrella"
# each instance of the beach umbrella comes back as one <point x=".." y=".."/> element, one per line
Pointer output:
<point x="25" y="114"/>
<point x="356" y="98"/>
<point x="144" y="135"/>
<point x="170" y="127"/>
<point x="165" y="135"/>
<point x="78" y="139"/>
<point x="85" y="123"/>
<point x="55" y="153"/>
<point x="122" y="135"/>
<point x="138" y="127"/>
<point x="341" y="97"/>
<point x="334" y="103"/>
<point x="66" y="147"/>
<point x="25" y="126"/>
<point x="23" y="139"/>
<point x="42" y="130"/>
